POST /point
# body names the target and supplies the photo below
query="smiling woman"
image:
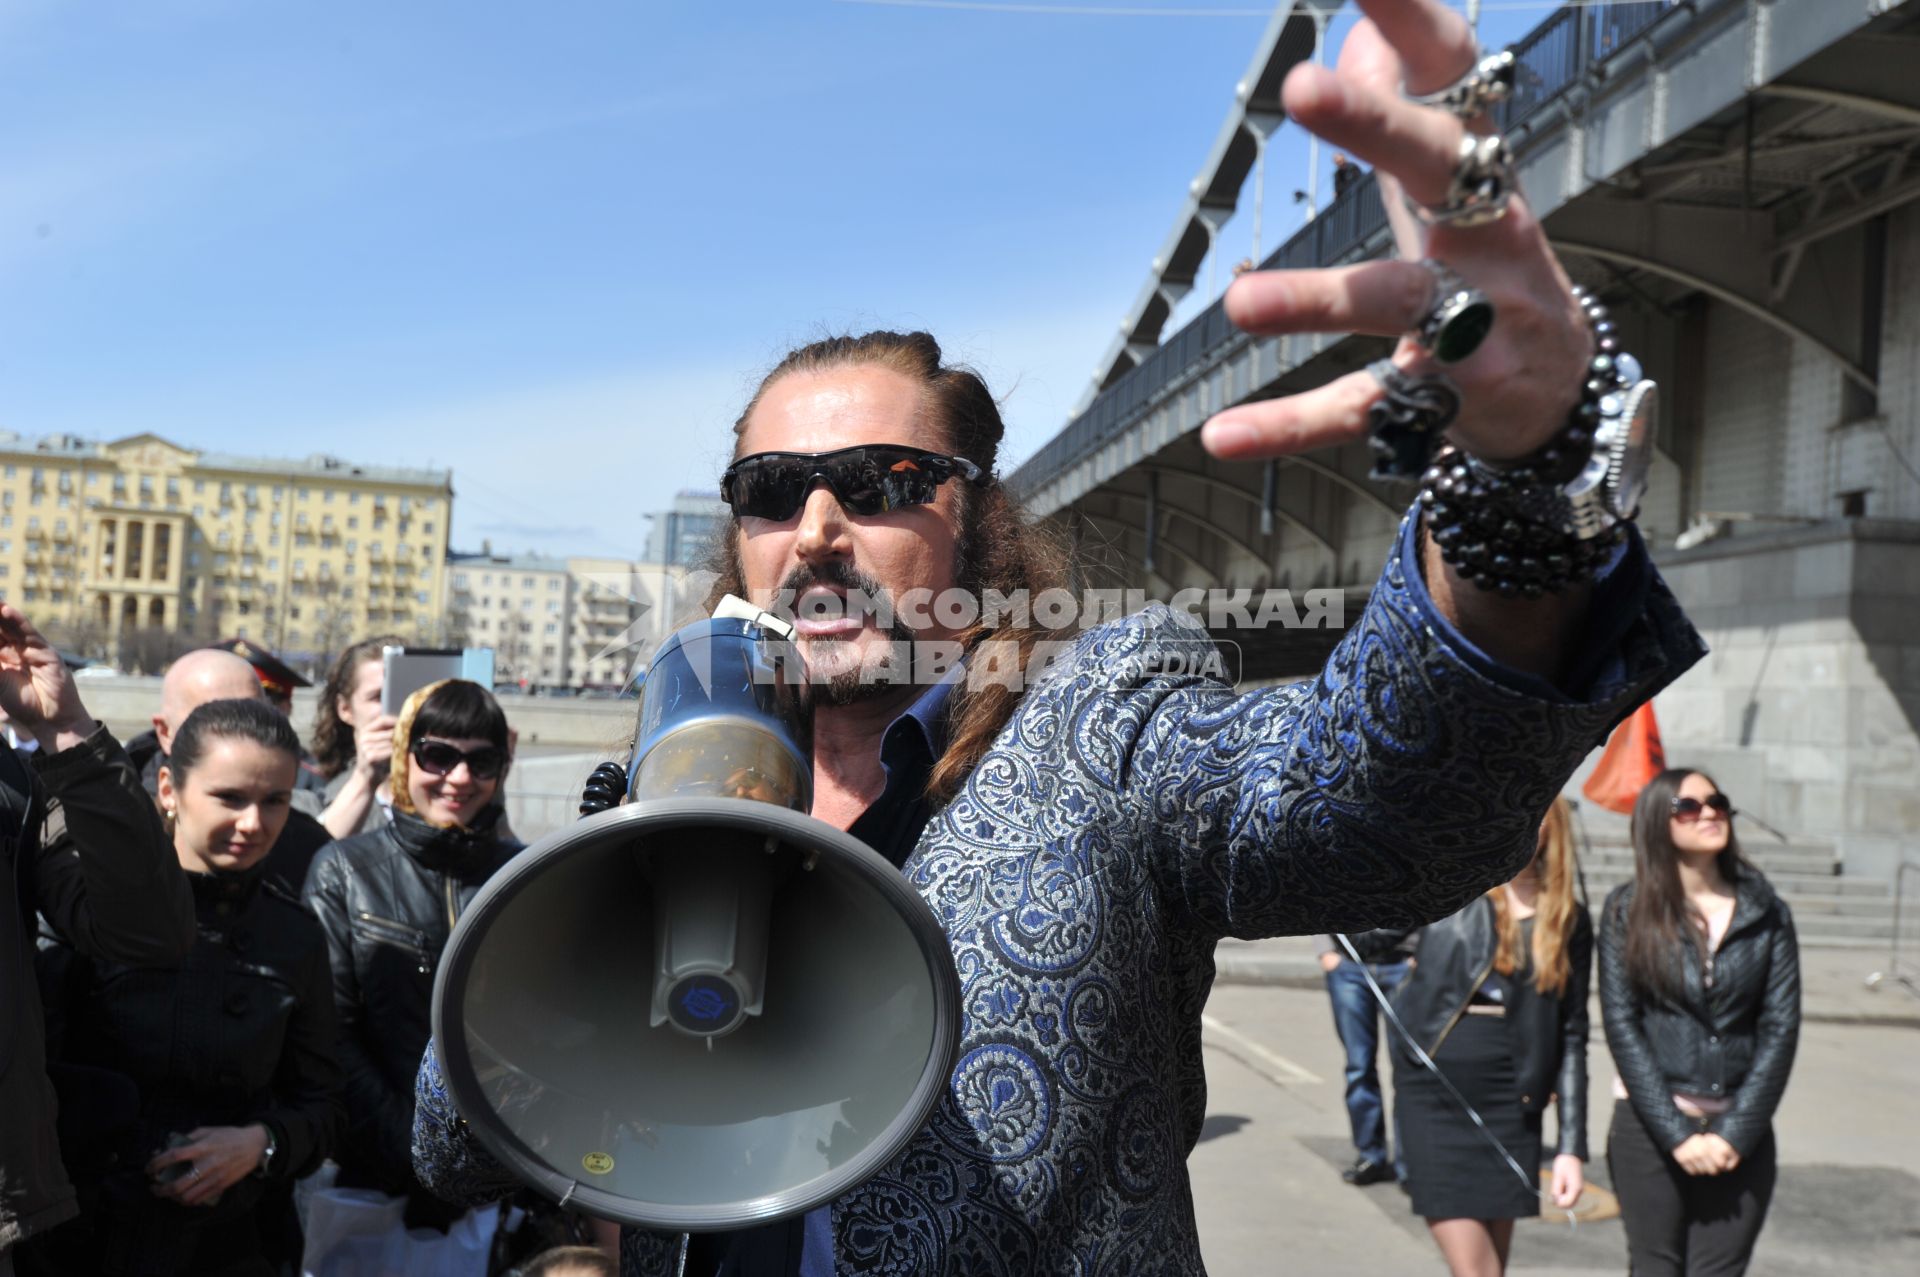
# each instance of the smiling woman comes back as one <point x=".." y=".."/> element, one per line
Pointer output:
<point x="206" y="1088"/>
<point x="388" y="899"/>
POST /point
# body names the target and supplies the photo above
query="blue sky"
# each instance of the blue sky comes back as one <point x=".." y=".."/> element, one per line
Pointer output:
<point x="552" y="245"/>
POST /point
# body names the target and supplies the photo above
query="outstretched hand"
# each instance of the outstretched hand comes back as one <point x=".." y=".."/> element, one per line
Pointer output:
<point x="1519" y="385"/>
<point x="37" y="691"/>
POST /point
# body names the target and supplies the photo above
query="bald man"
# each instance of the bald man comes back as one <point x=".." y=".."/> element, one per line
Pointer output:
<point x="213" y="675"/>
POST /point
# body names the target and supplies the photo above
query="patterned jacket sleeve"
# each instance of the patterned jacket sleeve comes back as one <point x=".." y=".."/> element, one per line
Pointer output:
<point x="1403" y="781"/>
<point x="447" y="1158"/>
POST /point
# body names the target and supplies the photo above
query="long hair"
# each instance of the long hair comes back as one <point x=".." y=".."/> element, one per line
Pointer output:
<point x="1660" y="919"/>
<point x="333" y="736"/>
<point x="1555" y="908"/>
<point x="999" y="546"/>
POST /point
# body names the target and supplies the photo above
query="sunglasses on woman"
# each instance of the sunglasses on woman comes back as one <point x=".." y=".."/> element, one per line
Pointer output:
<point x="871" y="479"/>
<point x="437" y="758"/>
<point x="1688" y="810"/>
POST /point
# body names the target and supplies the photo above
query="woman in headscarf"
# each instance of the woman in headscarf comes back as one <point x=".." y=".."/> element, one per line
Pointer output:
<point x="388" y="900"/>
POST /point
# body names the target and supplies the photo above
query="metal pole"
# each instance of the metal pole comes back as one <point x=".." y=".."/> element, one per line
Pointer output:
<point x="1320" y="20"/>
<point x="1259" y="188"/>
<point x="1473" y="15"/>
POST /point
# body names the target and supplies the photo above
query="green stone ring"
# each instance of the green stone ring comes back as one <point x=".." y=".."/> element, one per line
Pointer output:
<point x="1456" y="321"/>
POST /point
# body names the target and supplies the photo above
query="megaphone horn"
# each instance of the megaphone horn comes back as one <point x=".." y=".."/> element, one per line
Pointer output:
<point x="703" y="1009"/>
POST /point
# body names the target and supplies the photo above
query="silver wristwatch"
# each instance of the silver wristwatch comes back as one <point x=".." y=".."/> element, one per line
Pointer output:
<point x="267" y="1154"/>
<point x="1608" y="489"/>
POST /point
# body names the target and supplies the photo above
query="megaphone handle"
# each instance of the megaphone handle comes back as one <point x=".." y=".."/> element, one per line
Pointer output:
<point x="680" y="1264"/>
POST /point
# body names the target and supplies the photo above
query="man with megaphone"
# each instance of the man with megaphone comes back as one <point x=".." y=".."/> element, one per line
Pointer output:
<point x="1081" y="821"/>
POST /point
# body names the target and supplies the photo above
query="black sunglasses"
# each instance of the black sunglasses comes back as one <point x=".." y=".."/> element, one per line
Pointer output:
<point x="437" y="758"/>
<point x="871" y="479"/>
<point x="1687" y="810"/>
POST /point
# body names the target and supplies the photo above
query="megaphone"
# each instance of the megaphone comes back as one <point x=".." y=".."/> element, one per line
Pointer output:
<point x="704" y="1009"/>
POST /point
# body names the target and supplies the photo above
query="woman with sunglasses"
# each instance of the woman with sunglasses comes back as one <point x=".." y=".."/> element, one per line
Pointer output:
<point x="1700" y="988"/>
<point x="388" y="900"/>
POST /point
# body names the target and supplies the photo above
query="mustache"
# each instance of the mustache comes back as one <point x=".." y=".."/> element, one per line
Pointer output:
<point x="865" y="597"/>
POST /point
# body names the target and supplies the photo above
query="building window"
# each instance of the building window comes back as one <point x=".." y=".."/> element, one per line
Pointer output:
<point x="353" y="498"/>
<point x="353" y="521"/>
<point x="199" y="487"/>
<point x="162" y="551"/>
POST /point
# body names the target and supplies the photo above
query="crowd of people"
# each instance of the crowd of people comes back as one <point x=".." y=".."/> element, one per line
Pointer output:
<point x="214" y="1035"/>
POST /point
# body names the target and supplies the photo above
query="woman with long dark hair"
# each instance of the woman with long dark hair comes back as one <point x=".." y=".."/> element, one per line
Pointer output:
<point x="211" y="1084"/>
<point x="1700" y="987"/>
<point x="353" y="739"/>
<point x="1498" y="1001"/>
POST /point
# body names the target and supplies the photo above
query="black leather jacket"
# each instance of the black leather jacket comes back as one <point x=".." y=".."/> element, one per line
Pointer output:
<point x="387" y="901"/>
<point x="239" y="1032"/>
<point x="1732" y="1032"/>
<point x="1549" y="1034"/>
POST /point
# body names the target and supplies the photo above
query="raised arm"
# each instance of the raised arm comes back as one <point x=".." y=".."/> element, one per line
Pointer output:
<point x="1405" y="780"/>
<point x="107" y="879"/>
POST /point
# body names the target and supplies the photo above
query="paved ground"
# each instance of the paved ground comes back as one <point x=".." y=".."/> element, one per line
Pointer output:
<point x="1270" y="1199"/>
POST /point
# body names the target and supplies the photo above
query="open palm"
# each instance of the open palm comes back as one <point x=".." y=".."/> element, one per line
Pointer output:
<point x="36" y="690"/>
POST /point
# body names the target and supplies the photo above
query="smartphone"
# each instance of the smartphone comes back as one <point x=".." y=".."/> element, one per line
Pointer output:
<point x="406" y="670"/>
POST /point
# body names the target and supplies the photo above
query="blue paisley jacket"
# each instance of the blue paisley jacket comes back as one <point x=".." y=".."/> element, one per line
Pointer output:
<point x="1123" y="822"/>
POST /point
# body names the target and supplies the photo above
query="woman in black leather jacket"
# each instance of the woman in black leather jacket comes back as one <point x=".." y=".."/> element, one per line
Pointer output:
<point x="199" y="1088"/>
<point x="388" y="901"/>
<point x="1498" y="1000"/>
<point x="1700" y="990"/>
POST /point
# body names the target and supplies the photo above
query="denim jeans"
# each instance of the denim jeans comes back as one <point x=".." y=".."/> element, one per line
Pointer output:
<point x="1356" y="1017"/>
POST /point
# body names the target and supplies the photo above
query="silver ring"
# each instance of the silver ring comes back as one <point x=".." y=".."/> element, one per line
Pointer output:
<point x="1457" y="319"/>
<point x="1483" y="185"/>
<point x="1487" y="83"/>
<point x="1404" y="425"/>
<point x="193" y="1172"/>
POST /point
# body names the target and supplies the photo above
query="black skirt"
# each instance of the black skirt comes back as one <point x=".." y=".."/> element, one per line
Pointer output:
<point x="1452" y="1171"/>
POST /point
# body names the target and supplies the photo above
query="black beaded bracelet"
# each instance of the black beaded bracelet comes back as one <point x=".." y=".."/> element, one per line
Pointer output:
<point x="1510" y="528"/>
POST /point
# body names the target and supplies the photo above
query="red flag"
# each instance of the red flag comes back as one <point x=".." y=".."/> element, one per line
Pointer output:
<point x="1633" y="757"/>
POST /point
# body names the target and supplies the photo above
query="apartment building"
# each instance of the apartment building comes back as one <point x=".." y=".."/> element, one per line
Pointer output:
<point x="100" y="541"/>
<point x="520" y="605"/>
<point x="622" y="611"/>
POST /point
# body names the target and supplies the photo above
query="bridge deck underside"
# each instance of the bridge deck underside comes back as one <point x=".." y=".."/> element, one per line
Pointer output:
<point x="1766" y="204"/>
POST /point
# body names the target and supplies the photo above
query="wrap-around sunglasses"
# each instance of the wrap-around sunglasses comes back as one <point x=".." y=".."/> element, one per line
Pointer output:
<point x="437" y="758"/>
<point x="870" y="479"/>
<point x="1688" y="810"/>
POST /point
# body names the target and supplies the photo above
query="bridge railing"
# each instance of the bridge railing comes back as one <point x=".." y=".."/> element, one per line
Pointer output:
<point x="1552" y="58"/>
